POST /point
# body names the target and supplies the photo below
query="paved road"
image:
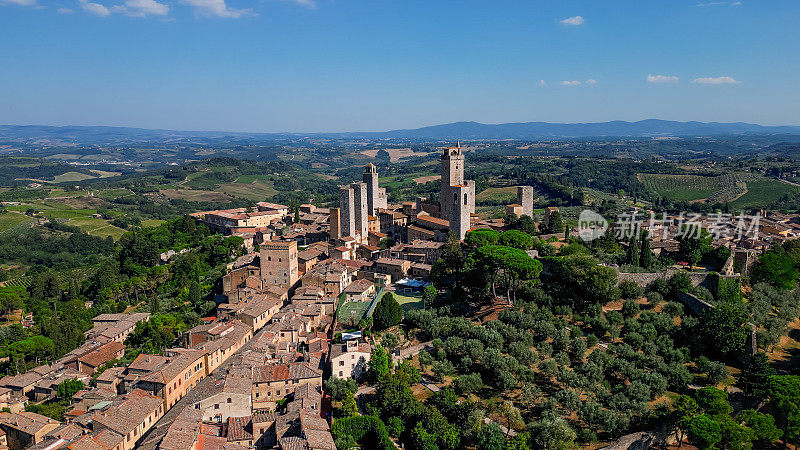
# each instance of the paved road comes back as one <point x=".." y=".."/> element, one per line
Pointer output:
<point x="409" y="352"/>
<point x="206" y="387"/>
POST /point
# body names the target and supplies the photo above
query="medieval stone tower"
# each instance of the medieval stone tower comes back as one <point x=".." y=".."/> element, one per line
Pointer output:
<point x="370" y="178"/>
<point x="457" y="196"/>
<point x="452" y="175"/>
<point x="360" y="213"/>
<point x="460" y="209"/>
<point x="376" y="196"/>
<point x="525" y="199"/>
<point x="347" y="218"/>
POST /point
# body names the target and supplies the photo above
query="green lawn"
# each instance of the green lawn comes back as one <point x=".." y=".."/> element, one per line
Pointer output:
<point x="409" y="301"/>
<point x="352" y="312"/>
<point x="498" y="195"/>
<point x="9" y="220"/>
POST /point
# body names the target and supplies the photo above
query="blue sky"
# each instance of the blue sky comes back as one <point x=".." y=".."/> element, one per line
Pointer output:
<point x="348" y="65"/>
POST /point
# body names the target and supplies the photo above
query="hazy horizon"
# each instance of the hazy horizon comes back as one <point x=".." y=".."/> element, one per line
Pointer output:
<point x="323" y="66"/>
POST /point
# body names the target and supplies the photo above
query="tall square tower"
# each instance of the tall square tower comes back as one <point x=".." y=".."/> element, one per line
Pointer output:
<point x="370" y="178"/>
<point x="279" y="263"/>
<point x="347" y="218"/>
<point x="360" y="205"/>
<point x="452" y="170"/>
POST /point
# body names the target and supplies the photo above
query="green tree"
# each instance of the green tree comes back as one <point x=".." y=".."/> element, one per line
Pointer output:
<point x="755" y="377"/>
<point x="388" y="313"/>
<point x="379" y="364"/>
<point x="67" y="388"/>
<point x="646" y="255"/>
<point x="481" y="237"/>
<point x="704" y="432"/>
<point x="633" y="251"/>
<point x="693" y="245"/>
<point x="713" y="401"/>
<point x="784" y="396"/>
<point x="348" y="407"/>
<point x="776" y="268"/>
<point x="553" y="434"/>
<point x="429" y="296"/>
<point x="12" y="298"/>
<point x="629" y="290"/>
<point x="765" y="433"/>
<point x="723" y="328"/>
<point x="338" y="388"/>
<point x="491" y="437"/>
<point x="555" y="225"/>
<point x="516" y="239"/>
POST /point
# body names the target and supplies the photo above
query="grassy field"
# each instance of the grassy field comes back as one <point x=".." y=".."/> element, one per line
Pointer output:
<point x="9" y="220"/>
<point x="408" y="301"/>
<point x="97" y="227"/>
<point x="762" y="193"/>
<point x="352" y="312"/>
<point x="404" y="180"/>
<point x="257" y="191"/>
<point x="498" y="195"/>
<point x="195" y="196"/>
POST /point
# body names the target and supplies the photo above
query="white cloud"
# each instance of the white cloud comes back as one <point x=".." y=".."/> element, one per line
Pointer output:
<point x="542" y="83"/>
<point x="95" y="8"/>
<point x="570" y="83"/>
<point x="307" y="3"/>
<point x="65" y="11"/>
<point x="142" y="8"/>
<point x="715" y="80"/>
<point x="591" y="81"/>
<point x="662" y="79"/>
<point x="216" y="8"/>
<point x="573" y="21"/>
<point x="18" y="2"/>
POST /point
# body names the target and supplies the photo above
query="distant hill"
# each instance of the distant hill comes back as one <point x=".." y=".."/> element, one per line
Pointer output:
<point x="457" y="130"/>
<point x="534" y="130"/>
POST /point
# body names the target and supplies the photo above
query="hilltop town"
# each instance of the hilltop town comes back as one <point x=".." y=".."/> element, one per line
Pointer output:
<point x="293" y="314"/>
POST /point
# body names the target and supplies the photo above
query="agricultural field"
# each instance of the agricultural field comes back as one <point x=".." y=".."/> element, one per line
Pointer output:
<point x="498" y="195"/>
<point x="392" y="183"/>
<point x="691" y="188"/>
<point x="9" y="220"/>
<point x="763" y="192"/>
<point x="194" y="195"/>
<point x="257" y="191"/>
<point x="71" y="177"/>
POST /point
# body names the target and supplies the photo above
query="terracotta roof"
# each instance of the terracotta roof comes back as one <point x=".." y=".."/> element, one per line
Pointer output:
<point x="282" y="372"/>
<point x="105" y="439"/>
<point x="359" y="286"/>
<point x="27" y="422"/>
<point x="237" y="429"/>
<point x="130" y="413"/>
<point x="103" y="354"/>
<point x="174" y="367"/>
<point x="148" y="363"/>
<point x="184" y="430"/>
